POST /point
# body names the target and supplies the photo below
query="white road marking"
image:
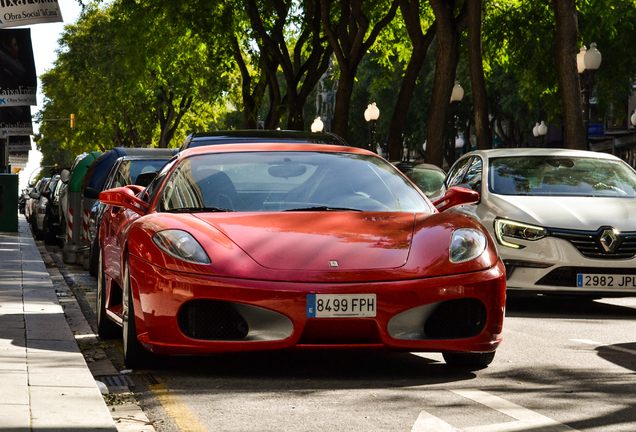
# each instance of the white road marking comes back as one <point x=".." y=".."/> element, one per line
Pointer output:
<point x="599" y="344"/>
<point x="527" y="419"/>
<point x="429" y="423"/>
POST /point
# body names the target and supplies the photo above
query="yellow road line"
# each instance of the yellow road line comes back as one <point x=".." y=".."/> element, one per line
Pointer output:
<point x="184" y="418"/>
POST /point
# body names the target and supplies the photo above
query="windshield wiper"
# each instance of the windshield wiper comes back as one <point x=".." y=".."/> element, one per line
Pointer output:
<point x="198" y="210"/>
<point x="324" y="208"/>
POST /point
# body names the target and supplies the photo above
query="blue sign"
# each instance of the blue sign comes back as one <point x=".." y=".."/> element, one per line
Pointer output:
<point x="596" y="129"/>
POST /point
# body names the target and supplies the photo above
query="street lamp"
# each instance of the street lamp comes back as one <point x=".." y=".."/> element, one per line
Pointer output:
<point x="317" y="125"/>
<point x="539" y="131"/>
<point x="587" y="62"/>
<point x="371" y="115"/>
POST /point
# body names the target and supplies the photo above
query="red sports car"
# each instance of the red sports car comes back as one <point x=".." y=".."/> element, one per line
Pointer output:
<point x="277" y="246"/>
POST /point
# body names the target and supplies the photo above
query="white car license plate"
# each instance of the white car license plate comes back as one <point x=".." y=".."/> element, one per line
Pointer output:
<point x="605" y="280"/>
<point x="341" y="305"/>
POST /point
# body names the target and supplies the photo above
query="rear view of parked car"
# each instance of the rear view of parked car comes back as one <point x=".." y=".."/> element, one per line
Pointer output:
<point x="127" y="170"/>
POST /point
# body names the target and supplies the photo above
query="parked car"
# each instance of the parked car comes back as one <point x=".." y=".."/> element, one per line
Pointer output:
<point x="43" y="210"/>
<point x="260" y="136"/>
<point x="278" y="246"/>
<point x="30" y="207"/>
<point x="428" y="177"/>
<point x="22" y="200"/>
<point x="48" y="220"/>
<point x="564" y="220"/>
<point x="125" y="171"/>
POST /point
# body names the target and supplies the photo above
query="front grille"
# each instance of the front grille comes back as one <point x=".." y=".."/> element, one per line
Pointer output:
<point x="588" y="243"/>
<point x="211" y="320"/>
<point x="566" y="276"/>
<point x="456" y="319"/>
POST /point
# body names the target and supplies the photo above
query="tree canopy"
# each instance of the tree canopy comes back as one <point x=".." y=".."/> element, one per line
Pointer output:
<point x="148" y="72"/>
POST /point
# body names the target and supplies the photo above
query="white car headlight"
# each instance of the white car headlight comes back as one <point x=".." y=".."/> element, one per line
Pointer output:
<point x="517" y="230"/>
<point x="181" y="245"/>
<point x="467" y="244"/>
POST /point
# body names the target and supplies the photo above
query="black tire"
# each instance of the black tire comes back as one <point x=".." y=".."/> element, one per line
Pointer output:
<point x="93" y="257"/>
<point x="135" y="356"/>
<point x="106" y="329"/>
<point x="48" y="234"/>
<point x="470" y="361"/>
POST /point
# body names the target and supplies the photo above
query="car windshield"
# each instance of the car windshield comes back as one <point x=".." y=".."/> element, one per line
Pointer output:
<point x="288" y="181"/>
<point x="561" y="176"/>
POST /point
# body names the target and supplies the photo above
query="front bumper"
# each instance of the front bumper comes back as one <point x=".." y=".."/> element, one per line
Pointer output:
<point x="551" y="265"/>
<point x="181" y="313"/>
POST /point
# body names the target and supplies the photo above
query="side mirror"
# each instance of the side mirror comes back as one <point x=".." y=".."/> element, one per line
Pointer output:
<point x="124" y="197"/>
<point x="456" y="196"/>
<point x="46" y="194"/>
<point x="34" y="195"/>
<point x="91" y="193"/>
<point x="65" y="175"/>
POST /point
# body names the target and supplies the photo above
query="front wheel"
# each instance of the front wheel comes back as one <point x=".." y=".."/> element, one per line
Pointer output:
<point x="470" y="361"/>
<point x="106" y="329"/>
<point x="135" y="356"/>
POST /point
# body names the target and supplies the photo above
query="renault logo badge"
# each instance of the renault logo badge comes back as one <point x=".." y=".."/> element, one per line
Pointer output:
<point x="609" y="240"/>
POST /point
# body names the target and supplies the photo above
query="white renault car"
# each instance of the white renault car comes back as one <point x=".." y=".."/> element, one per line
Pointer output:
<point x="564" y="221"/>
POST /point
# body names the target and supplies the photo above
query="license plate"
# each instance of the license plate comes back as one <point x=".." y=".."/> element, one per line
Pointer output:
<point x="341" y="305"/>
<point x="605" y="281"/>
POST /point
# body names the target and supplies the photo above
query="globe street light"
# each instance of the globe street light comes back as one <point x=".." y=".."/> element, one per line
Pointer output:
<point x="317" y="125"/>
<point x="587" y="63"/>
<point x="371" y="115"/>
<point x="539" y="131"/>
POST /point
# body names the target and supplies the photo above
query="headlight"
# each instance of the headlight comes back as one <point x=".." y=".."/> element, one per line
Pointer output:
<point x="517" y="230"/>
<point x="181" y="245"/>
<point x="467" y="244"/>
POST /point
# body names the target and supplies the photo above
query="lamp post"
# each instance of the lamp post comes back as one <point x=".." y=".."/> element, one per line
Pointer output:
<point x="317" y="125"/>
<point x="371" y="115"/>
<point x="587" y="63"/>
<point x="539" y="131"/>
<point x="456" y="96"/>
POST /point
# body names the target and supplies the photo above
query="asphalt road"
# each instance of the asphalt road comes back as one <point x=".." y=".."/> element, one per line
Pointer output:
<point x="565" y="364"/>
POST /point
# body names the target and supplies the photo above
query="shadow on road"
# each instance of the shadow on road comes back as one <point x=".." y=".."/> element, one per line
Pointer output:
<point x="561" y="306"/>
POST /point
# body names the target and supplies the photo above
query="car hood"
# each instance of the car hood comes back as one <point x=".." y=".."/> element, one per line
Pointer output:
<point x="319" y="241"/>
<point x="578" y="213"/>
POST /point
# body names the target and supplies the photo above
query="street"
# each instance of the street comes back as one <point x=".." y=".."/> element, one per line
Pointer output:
<point x="565" y="364"/>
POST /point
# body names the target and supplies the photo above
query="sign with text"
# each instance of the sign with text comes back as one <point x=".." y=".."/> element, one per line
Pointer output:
<point x="15" y="13"/>
<point x="15" y="121"/>
<point x="19" y="144"/>
<point x="18" y="78"/>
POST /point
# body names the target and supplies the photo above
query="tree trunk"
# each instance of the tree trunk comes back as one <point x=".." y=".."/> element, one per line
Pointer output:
<point x="477" y="81"/>
<point x="347" y="39"/>
<point x="421" y="42"/>
<point x="569" y="84"/>
<point x="447" y="59"/>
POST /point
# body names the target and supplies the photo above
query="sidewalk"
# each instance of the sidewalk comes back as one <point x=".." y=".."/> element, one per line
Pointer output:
<point x="45" y="383"/>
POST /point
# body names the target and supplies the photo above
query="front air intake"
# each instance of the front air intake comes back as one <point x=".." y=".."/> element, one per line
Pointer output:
<point x="456" y="319"/>
<point x="211" y="320"/>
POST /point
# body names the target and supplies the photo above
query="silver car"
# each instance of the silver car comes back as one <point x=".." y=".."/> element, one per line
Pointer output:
<point x="564" y="221"/>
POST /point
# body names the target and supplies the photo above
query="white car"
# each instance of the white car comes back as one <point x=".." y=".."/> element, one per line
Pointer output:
<point x="564" y="221"/>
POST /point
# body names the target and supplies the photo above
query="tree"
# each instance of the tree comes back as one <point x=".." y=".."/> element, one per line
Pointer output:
<point x="448" y="30"/>
<point x="566" y="37"/>
<point x="477" y="80"/>
<point x="351" y="30"/>
<point x="411" y="14"/>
